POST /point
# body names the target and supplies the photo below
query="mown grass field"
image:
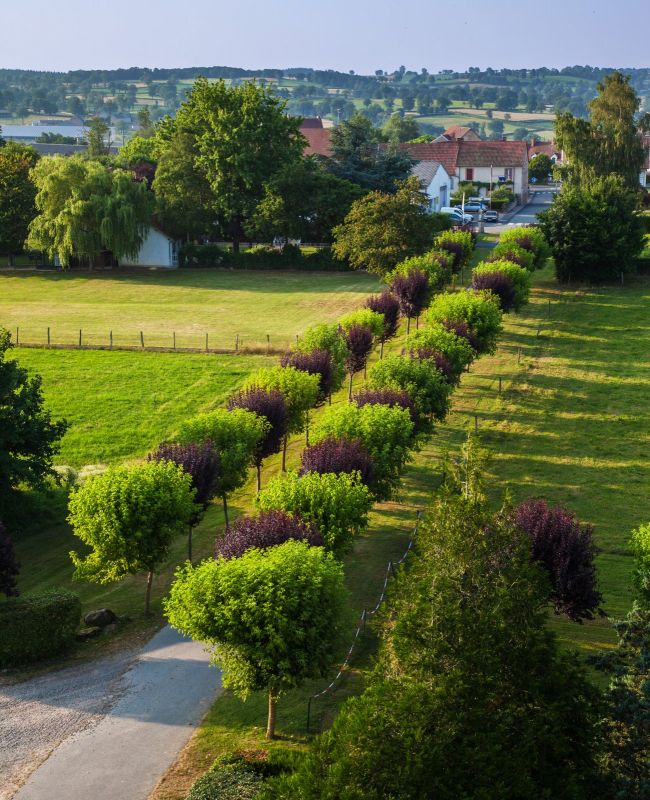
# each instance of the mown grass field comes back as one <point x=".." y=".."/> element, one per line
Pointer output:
<point x="189" y="302"/>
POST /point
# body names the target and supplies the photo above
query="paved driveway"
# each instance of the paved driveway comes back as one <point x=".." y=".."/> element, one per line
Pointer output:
<point x="538" y="200"/>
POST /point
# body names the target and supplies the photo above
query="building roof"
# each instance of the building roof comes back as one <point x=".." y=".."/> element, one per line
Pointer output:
<point x="27" y="132"/>
<point x="446" y="153"/>
<point x="459" y="132"/>
<point x="426" y="171"/>
<point x="549" y="149"/>
<point x="492" y="154"/>
<point x="49" y="149"/>
<point x="319" y="141"/>
<point x="312" y="122"/>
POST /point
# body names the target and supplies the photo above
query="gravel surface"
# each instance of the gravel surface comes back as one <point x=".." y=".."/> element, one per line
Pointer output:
<point x="37" y="715"/>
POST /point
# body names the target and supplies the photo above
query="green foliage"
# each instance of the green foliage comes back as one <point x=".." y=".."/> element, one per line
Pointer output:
<point x="28" y="437"/>
<point x="85" y="208"/>
<point x="225" y="781"/>
<point x="641" y="575"/>
<point x="17" y="195"/>
<point x="595" y="232"/>
<point x="531" y="239"/>
<point x="504" y="249"/>
<point x="235" y="435"/>
<point x="462" y="238"/>
<point x="337" y="504"/>
<point x="128" y="517"/>
<point x="35" y="627"/>
<point x="480" y="311"/>
<point x="401" y="129"/>
<point x="501" y="197"/>
<point x="275" y="617"/>
<point x="456" y="349"/>
<point x="364" y="316"/>
<point x="436" y="264"/>
<point x="381" y="229"/>
<point x="425" y="384"/>
<point x="139" y="150"/>
<point x="540" y="167"/>
<point x="97" y="137"/>
<point x="519" y="276"/>
<point x="261" y="257"/>
<point x="465" y="189"/>
<point x="385" y="432"/>
<point x="327" y="337"/>
<point x="299" y="389"/>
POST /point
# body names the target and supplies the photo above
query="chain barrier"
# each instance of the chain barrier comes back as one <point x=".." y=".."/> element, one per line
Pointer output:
<point x="365" y="615"/>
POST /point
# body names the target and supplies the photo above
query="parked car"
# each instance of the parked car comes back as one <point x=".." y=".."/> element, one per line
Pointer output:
<point x="474" y="207"/>
<point x="457" y="215"/>
<point x="491" y="216"/>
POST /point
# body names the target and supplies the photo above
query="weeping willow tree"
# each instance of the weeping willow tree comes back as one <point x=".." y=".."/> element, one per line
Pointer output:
<point x="87" y="210"/>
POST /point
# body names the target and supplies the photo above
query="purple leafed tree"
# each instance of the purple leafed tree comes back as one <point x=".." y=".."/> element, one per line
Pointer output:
<point x="499" y="284"/>
<point x="412" y="292"/>
<point x="463" y="330"/>
<point x="507" y="255"/>
<point x="388" y="397"/>
<point x="359" y="341"/>
<point x="455" y="250"/>
<point x="201" y="462"/>
<point x="337" y="455"/>
<point x="318" y="362"/>
<point x="387" y="304"/>
<point x="272" y="406"/>
<point x="565" y="548"/>
<point x="269" y="528"/>
<point x="9" y="566"/>
<point x="442" y="363"/>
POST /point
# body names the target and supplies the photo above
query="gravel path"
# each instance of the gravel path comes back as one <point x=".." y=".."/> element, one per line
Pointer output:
<point x="107" y="730"/>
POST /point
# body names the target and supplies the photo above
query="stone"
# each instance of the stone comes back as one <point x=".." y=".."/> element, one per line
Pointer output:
<point x="88" y="633"/>
<point x="100" y="618"/>
<point x="111" y="628"/>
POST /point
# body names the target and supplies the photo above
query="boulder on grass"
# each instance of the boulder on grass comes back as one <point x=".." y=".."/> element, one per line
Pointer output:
<point x="88" y="633"/>
<point x="100" y="618"/>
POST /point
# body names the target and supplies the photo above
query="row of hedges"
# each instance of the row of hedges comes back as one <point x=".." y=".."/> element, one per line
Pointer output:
<point x="261" y="257"/>
<point x="36" y="627"/>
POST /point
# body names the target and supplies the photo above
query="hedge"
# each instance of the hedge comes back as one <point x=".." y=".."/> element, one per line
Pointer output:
<point x="35" y="627"/>
<point x="261" y="257"/>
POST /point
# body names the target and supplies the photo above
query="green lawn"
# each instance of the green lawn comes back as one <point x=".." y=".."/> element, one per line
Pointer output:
<point x="192" y="302"/>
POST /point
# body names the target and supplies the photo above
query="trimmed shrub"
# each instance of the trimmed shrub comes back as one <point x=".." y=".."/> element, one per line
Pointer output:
<point x="388" y="305"/>
<point x="439" y="362"/>
<point x="518" y="276"/>
<point x="267" y="529"/>
<point x="510" y="251"/>
<point x="457" y="350"/>
<point x="337" y="504"/>
<point x="480" y="311"/>
<point x="395" y="398"/>
<point x="566" y="550"/>
<point x="420" y="379"/>
<point x="35" y="627"/>
<point x="436" y="265"/>
<point x="499" y="284"/>
<point x="531" y="239"/>
<point x="200" y="461"/>
<point x="9" y="566"/>
<point x="372" y="320"/>
<point x="318" y="362"/>
<point x="463" y="331"/>
<point x="337" y="455"/>
<point x="330" y="338"/>
<point x="459" y="244"/>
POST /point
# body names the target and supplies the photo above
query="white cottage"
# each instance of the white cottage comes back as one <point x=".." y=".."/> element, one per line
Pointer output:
<point x="435" y="181"/>
<point x="157" y="250"/>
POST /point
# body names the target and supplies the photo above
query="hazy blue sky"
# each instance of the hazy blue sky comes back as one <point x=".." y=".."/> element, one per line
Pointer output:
<point x="362" y="35"/>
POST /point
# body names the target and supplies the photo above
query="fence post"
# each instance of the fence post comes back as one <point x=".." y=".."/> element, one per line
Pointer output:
<point x="475" y="423"/>
<point x="499" y="384"/>
<point x="79" y="337"/>
<point x="174" y="335"/>
<point x="17" y="339"/>
<point x="142" y="340"/>
<point x="206" y="342"/>
<point x="518" y="354"/>
<point x="110" y="340"/>
<point x="308" y="713"/>
<point x="236" y="343"/>
<point x="268" y="344"/>
<point x="48" y="336"/>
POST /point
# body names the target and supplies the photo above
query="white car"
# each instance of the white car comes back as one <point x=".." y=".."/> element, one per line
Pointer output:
<point x="457" y="215"/>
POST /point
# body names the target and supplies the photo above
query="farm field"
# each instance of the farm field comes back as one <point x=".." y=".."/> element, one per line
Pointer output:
<point x="189" y="302"/>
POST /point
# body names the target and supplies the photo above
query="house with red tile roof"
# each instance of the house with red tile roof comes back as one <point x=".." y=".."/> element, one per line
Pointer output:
<point x="490" y="162"/>
<point x="318" y="137"/>
<point x="549" y="149"/>
<point x="461" y="133"/>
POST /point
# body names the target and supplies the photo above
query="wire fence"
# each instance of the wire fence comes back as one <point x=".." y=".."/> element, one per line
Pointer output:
<point x="365" y="616"/>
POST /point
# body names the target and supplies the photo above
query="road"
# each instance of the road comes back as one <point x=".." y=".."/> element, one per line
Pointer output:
<point x="539" y="199"/>
<point x="106" y="731"/>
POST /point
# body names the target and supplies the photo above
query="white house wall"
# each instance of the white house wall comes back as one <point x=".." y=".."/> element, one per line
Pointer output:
<point x="439" y="190"/>
<point x="157" y="251"/>
<point x="482" y="175"/>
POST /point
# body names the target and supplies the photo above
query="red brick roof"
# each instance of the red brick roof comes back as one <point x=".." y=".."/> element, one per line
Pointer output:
<point x="459" y="132"/>
<point x="547" y="148"/>
<point x="312" y="122"/>
<point x="318" y="141"/>
<point x="444" y="152"/>
<point x="492" y="154"/>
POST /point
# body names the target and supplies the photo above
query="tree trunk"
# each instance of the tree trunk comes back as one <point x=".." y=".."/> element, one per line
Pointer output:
<point x="225" y="510"/>
<point x="270" y="724"/>
<point x="284" y="453"/>
<point x="235" y="244"/>
<point x="408" y="325"/>
<point x="417" y="323"/>
<point x="147" y="602"/>
<point x="307" y="429"/>
<point x="330" y="396"/>
<point x="259" y="478"/>
<point x="381" y="350"/>
<point x="189" y="544"/>
<point x="350" y="389"/>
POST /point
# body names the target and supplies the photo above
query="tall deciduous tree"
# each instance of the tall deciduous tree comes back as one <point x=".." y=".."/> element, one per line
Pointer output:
<point x="86" y="209"/>
<point x="274" y="617"/>
<point x="29" y="439"/>
<point x="128" y="517"/>
<point x="17" y="195"/>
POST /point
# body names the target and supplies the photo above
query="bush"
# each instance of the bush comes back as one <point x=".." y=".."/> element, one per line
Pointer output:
<point x="459" y="243"/>
<point x="509" y="251"/>
<point x="337" y="455"/>
<point x="225" y="782"/>
<point x="455" y="349"/>
<point x="261" y="257"/>
<point x="420" y="379"/>
<point x="366" y="317"/>
<point x="436" y="264"/>
<point x="413" y="293"/>
<point x="531" y="239"/>
<point x="318" y="362"/>
<point x="387" y="305"/>
<point x="327" y="337"/>
<point x="267" y="529"/>
<point x="35" y="627"/>
<point x="479" y="311"/>
<point x="395" y="398"/>
<point x="518" y="276"/>
<point x="498" y="284"/>
<point x="641" y="574"/>
<point x="463" y="331"/>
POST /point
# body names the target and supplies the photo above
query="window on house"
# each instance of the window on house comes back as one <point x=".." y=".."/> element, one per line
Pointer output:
<point x="469" y="174"/>
<point x="509" y="172"/>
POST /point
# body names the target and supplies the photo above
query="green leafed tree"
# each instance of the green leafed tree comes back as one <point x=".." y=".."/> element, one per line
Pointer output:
<point x="327" y="337"/>
<point x="236" y="436"/>
<point x="540" y="167"/>
<point x="17" y="195"/>
<point x="337" y="504"/>
<point x="275" y="618"/>
<point x="29" y="438"/>
<point x="128" y="517"/>
<point x="87" y="211"/>
<point x="425" y="384"/>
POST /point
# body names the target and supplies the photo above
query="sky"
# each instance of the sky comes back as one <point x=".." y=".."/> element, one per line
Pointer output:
<point x="359" y="35"/>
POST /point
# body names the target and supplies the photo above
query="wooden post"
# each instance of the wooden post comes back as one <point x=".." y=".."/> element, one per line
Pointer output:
<point x="142" y="340"/>
<point x="48" y="336"/>
<point x="236" y="343"/>
<point x="79" y="337"/>
<point x="296" y="340"/>
<point x="518" y="354"/>
<point x="499" y="384"/>
<point x="110" y="339"/>
<point x="268" y="344"/>
<point x="174" y="339"/>
<point x="17" y="339"/>
<point x="206" y="342"/>
<point x="475" y="423"/>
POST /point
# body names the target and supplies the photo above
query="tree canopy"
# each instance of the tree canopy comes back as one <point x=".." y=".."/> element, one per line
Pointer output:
<point x="17" y="195"/>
